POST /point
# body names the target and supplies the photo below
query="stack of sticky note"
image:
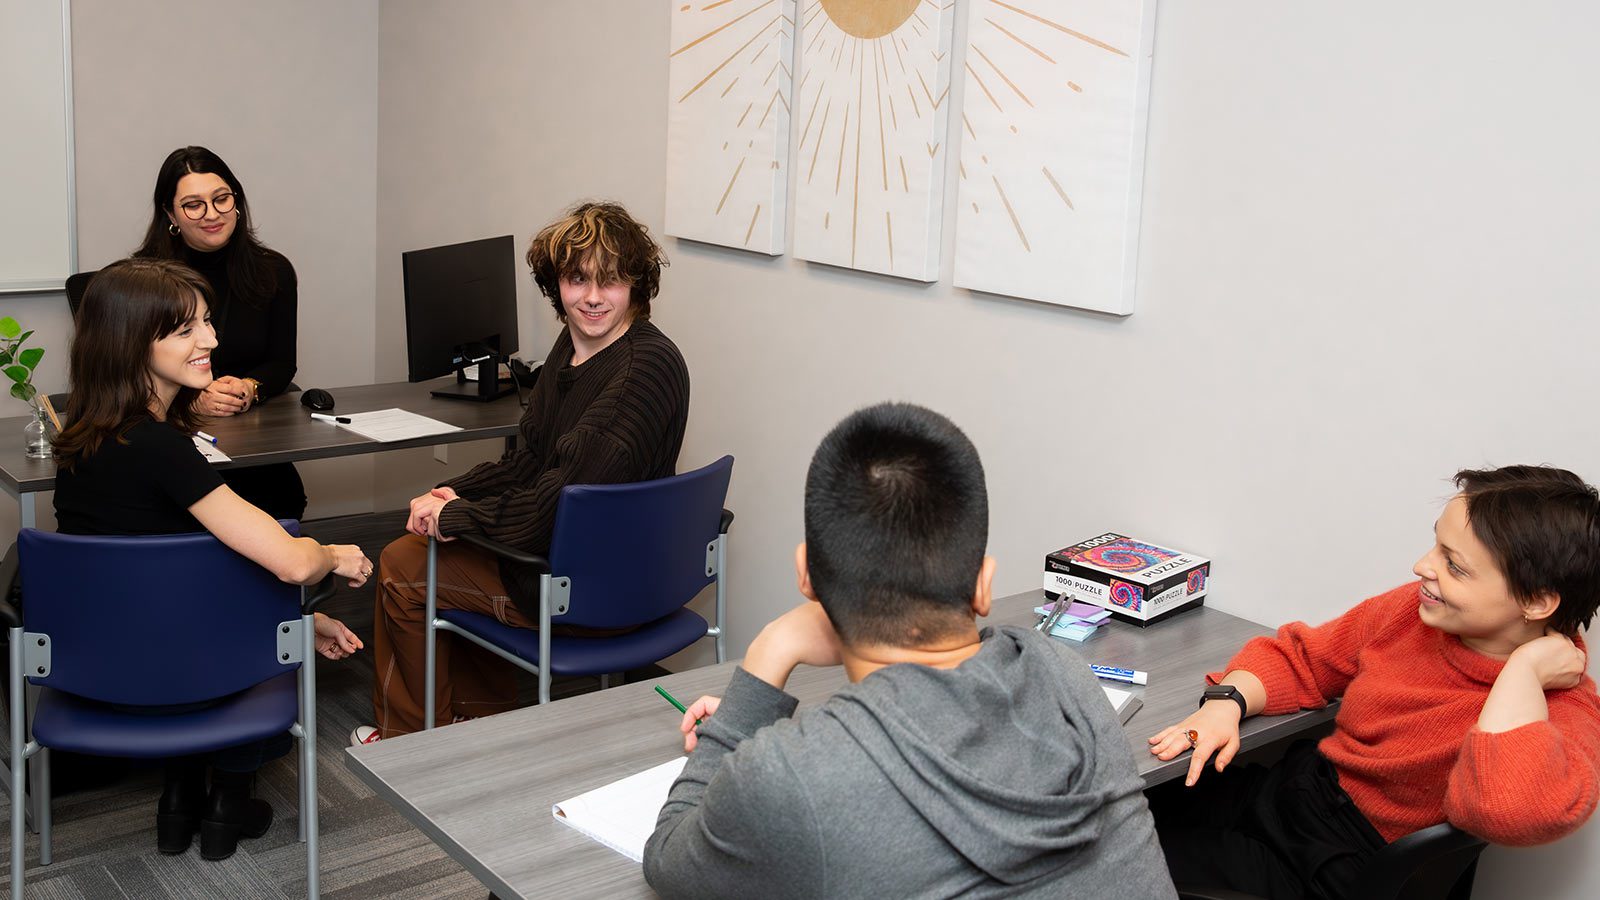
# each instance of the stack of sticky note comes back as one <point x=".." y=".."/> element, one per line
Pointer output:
<point x="1078" y="620"/>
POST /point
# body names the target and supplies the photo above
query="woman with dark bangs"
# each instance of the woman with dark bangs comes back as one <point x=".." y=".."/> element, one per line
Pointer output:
<point x="127" y="464"/>
<point x="609" y="407"/>
<point x="201" y="218"/>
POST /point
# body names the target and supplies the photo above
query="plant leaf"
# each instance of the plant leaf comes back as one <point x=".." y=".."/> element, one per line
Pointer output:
<point x="9" y="327"/>
<point x="18" y="374"/>
<point x="5" y="358"/>
<point x="30" y="357"/>
<point x="23" y="392"/>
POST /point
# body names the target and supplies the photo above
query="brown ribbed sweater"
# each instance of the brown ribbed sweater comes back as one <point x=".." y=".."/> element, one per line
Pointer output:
<point x="618" y="417"/>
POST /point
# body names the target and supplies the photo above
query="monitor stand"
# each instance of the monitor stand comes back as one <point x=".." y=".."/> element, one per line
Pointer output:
<point x="488" y="386"/>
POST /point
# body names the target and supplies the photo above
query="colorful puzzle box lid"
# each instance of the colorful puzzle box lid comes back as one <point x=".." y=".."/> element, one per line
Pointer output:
<point x="1126" y="557"/>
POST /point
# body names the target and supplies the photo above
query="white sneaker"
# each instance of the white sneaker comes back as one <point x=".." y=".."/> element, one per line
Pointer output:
<point x="363" y="735"/>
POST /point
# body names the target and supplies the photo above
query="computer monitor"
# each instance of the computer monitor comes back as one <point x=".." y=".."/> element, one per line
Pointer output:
<point x="461" y="314"/>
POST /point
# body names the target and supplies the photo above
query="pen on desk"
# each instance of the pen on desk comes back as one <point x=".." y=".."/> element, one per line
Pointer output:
<point x="341" y="420"/>
<point x="210" y="439"/>
<point x="674" y="701"/>
<point x="1116" y="673"/>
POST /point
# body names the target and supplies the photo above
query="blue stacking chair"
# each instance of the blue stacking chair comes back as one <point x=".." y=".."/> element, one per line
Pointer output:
<point x="621" y="556"/>
<point x="111" y="622"/>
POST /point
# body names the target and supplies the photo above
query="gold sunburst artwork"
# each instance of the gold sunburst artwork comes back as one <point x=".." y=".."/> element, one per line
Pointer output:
<point x="871" y="106"/>
<point x="1052" y="138"/>
<point x="729" y="78"/>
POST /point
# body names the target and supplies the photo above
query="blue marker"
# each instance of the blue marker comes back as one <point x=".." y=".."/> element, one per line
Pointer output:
<point x="1126" y="676"/>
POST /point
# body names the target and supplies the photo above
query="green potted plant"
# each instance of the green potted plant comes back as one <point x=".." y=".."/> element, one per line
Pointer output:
<point x="18" y="365"/>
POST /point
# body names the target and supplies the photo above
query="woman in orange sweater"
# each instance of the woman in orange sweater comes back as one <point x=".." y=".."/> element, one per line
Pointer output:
<point x="1464" y="700"/>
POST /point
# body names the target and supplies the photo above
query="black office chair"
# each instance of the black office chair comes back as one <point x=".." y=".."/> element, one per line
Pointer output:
<point x="1437" y="863"/>
<point x="76" y="285"/>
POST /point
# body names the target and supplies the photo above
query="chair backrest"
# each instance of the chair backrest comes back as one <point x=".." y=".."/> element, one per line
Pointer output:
<point x="76" y="285"/>
<point x="1436" y="863"/>
<point x="152" y="621"/>
<point x="637" y="552"/>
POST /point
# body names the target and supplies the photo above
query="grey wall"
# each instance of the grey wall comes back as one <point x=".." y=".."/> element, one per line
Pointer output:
<point x="287" y="93"/>
<point x="1362" y="268"/>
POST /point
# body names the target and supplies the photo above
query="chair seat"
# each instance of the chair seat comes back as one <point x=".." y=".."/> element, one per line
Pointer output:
<point x="588" y="656"/>
<point x="69" y="722"/>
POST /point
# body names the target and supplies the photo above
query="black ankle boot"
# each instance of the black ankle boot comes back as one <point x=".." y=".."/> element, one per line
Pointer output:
<point x="231" y="813"/>
<point x="183" y="798"/>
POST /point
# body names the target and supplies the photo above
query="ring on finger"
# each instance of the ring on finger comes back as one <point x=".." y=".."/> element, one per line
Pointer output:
<point x="1193" y="737"/>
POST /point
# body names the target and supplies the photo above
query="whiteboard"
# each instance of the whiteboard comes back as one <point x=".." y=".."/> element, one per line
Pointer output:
<point x="38" y="216"/>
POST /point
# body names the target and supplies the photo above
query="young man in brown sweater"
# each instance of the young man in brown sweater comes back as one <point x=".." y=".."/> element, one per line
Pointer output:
<point x="609" y="407"/>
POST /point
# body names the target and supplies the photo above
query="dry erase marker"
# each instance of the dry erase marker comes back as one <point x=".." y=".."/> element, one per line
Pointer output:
<point x="205" y="437"/>
<point x="1126" y="676"/>
<point x="674" y="701"/>
<point x="342" y="420"/>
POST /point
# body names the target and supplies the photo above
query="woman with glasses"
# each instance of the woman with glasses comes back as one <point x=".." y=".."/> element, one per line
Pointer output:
<point x="201" y="219"/>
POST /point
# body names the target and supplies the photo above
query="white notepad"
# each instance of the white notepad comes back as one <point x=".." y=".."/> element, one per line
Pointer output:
<point x="1124" y="702"/>
<point x="622" y="814"/>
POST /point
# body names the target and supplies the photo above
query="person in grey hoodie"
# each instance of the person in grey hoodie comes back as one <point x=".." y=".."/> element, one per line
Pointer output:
<point x="957" y="762"/>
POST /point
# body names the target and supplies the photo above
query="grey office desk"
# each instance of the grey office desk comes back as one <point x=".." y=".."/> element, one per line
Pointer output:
<point x="483" y="789"/>
<point x="281" y="430"/>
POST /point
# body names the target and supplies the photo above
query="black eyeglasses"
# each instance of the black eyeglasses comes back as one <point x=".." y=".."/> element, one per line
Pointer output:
<point x="196" y="209"/>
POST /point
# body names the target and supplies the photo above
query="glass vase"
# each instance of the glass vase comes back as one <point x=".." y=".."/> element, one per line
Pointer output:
<point x="37" y="434"/>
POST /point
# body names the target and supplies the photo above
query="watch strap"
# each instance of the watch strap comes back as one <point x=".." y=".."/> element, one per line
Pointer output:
<point x="1226" y="692"/>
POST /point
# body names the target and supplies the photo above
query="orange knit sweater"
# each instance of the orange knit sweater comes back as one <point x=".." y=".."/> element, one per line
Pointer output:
<point x="1406" y="743"/>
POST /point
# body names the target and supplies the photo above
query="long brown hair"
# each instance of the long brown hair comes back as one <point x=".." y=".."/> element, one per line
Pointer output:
<point x="128" y="306"/>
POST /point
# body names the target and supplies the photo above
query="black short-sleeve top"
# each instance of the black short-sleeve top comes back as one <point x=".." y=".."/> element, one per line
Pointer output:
<point x="143" y="483"/>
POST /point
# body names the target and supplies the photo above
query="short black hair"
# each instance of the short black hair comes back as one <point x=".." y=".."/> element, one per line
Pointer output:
<point x="1542" y="525"/>
<point x="897" y="520"/>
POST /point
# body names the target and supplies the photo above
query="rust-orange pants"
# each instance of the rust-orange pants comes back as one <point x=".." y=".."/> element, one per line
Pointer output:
<point x="471" y="681"/>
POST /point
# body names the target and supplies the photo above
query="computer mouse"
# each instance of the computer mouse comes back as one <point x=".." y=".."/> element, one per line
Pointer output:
<point x="317" y="399"/>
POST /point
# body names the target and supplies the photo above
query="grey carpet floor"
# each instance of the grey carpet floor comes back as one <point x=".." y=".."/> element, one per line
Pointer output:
<point x="104" y="841"/>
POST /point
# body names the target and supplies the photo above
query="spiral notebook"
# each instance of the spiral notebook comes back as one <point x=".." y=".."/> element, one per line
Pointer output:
<point x="622" y="814"/>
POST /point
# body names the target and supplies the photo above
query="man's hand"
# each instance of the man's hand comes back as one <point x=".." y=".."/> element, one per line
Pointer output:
<point x="225" y="396"/>
<point x="803" y="635"/>
<point x="698" y="710"/>
<point x="424" y="518"/>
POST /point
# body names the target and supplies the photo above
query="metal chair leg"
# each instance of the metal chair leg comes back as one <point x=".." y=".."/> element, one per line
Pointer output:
<point x="308" y="680"/>
<point x="430" y="635"/>
<point x="43" y="768"/>
<point x="19" y="762"/>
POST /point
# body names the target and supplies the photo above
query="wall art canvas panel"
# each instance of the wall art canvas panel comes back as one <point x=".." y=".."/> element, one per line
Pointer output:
<point x="871" y="109"/>
<point x="729" y="76"/>
<point x="1052" y="138"/>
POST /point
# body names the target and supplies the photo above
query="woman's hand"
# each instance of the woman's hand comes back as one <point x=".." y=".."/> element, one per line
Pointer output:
<point x="333" y="639"/>
<point x="698" y="710"/>
<point x="350" y="562"/>
<point x="1215" y="727"/>
<point x="225" y="396"/>
<point x="1555" y="660"/>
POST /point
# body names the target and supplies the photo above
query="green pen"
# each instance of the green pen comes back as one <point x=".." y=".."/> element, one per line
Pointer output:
<point x="674" y="701"/>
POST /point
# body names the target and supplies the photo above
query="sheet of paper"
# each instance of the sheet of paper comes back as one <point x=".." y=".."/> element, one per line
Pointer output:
<point x="210" y="451"/>
<point x="1116" y="697"/>
<point x="395" y="425"/>
<point x="622" y="814"/>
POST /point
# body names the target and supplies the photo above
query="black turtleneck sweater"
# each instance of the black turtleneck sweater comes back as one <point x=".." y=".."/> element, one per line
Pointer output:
<point x="617" y="418"/>
<point x="255" y="336"/>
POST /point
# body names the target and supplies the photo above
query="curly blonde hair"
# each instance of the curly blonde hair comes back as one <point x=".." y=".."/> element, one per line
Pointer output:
<point x="600" y="241"/>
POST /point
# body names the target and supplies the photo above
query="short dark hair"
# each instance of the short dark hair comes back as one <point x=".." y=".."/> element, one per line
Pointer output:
<point x="251" y="272"/>
<point x="1542" y="525"/>
<point x="607" y="242"/>
<point x="896" y="523"/>
<point x="127" y="306"/>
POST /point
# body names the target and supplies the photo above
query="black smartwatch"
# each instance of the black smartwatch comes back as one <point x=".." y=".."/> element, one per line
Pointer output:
<point x="1225" y="692"/>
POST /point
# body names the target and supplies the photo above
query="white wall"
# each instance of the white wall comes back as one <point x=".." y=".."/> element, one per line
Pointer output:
<point x="1363" y="266"/>
<point x="287" y="93"/>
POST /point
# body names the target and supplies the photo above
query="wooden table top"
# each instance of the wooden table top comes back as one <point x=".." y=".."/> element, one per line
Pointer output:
<point x="483" y="789"/>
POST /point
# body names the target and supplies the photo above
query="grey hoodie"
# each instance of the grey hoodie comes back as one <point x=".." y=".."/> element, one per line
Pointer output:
<point x="1006" y="776"/>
